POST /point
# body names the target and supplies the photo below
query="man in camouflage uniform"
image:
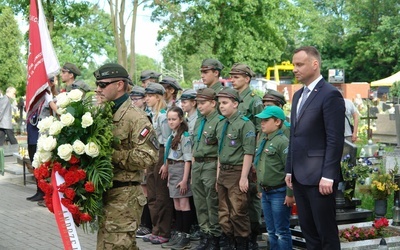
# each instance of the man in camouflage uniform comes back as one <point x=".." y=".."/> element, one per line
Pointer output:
<point x="210" y="72"/>
<point x="250" y="106"/>
<point x="236" y="147"/>
<point x="204" y="169"/>
<point x="135" y="148"/>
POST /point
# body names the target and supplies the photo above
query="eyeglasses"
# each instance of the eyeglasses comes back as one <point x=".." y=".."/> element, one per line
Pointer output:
<point x="136" y="99"/>
<point x="105" y="84"/>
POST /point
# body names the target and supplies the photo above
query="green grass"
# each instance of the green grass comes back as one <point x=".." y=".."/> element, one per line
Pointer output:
<point x="367" y="202"/>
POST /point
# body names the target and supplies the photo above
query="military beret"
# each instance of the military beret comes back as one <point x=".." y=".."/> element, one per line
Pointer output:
<point x="242" y="69"/>
<point x="167" y="80"/>
<point x="229" y="93"/>
<point x="155" y="88"/>
<point x="111" y="70"/>
<point x="149" y="74"/>
<point x="81" y="85"/>
<point x="272" y="111"/>
<point x="206" y="94"/>
<point x="137" y="91"/>
<point x="274" y="96"/>
<point x="71" y="68"/>
<point x="189" y="94"/>
<point x="211" y="64"/>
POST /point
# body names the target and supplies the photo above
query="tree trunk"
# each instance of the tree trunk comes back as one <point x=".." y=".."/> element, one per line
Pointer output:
<point x="132" y="67"/>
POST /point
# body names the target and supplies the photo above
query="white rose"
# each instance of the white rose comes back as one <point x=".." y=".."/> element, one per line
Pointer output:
<point x="45" y="124"/>
<point x="55" y="128"/>
<point x="67" y="119"/>
<point x="91" y="149"/>
<point x="49" y="143"/>
<point x="65" y="151"/>
<point x="75" y="95"/>
<point x="45" y="156"/>
<point x="41" y="142"/>
<point x="87" y="120"/>
<point x="79" y="147"/>
<point x="36" y="160"/>
<point x="61" y="111"/>
<point x="63" y="100"/>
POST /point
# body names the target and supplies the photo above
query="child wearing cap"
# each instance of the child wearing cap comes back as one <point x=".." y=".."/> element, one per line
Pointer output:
<point x="270" y="162"/>
<point x="172" y="88"/>
<point x="236" y="146"/>
<point x="160" y="204"/>
<point x="274" y="98"/>
<point x="189" y="106"/>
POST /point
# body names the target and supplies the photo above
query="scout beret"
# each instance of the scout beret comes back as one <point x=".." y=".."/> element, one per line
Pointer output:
<point x="242" y="69"/>
<point x="149" y="74"/>
<point x="167" y="80"/>
<point x="274" y="96"/>
<point x="211" y="64"/>
<point x="71" y="68"/>
<point x="229" y="93"/>
<point x="272" y="111"/>
<point x="137" y="91"/>
<point x="189" y="94"/>
<point x="155" y="88"/>
<point x="111" y="70"/>
<point x="206" y="94"/>
<point x="81" y="85"/>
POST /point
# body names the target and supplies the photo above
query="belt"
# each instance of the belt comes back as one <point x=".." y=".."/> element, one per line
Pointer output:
<point x="205" y="159"/>
<point x="230" y="167"/>
<point x="173" y="161"/>
<point x="269" y="188"/>
<point x="118" y="184"/>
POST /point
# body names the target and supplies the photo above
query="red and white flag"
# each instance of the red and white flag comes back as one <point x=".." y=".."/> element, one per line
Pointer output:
<point x="42" y="59"/>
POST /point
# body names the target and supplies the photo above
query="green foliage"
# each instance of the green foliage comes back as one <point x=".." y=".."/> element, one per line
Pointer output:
<point x="395" y="89"/>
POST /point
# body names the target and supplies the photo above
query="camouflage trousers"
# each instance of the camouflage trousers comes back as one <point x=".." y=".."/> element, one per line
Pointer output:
<point x="123" y="208"/>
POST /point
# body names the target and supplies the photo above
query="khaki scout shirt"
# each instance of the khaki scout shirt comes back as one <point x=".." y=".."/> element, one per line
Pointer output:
<point x="239" y="140"/>
<point x="250" y="106"/>
<point x="217" y="87"/>
<point x="207" y="144"/>
<point x="272" y="162"/>
<point x="160" y="124"/>
<point x="135" y="146"/>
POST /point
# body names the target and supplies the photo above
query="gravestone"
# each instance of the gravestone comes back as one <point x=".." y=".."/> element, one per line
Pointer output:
<point x="393" y="158"/>
<point x="385" y="129"/>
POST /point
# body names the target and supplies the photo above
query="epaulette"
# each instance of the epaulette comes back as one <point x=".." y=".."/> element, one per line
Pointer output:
<point x="244" y="118"/>
<point x="221" y="117"/>
<point x="163" y="111"/>
<point x="186" y="134"/>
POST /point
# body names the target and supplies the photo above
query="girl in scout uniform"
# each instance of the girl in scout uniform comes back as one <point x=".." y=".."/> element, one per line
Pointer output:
<point x="270" y="161"/>
<point x="160" y="204"/>
<point x="178" y="156"/>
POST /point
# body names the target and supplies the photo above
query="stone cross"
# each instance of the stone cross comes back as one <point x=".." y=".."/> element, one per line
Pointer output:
<point x="369" y="118"/>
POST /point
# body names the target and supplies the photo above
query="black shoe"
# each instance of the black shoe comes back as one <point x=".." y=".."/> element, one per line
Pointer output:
<point x="39" y="197"/>
<point x="184" y="243"/>
<point x="205" y="238"/>
<point x="32" y="197"/>
<point x="242" y="243"/>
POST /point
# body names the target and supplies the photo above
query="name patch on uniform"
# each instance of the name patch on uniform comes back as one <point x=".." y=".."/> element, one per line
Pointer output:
<point x="250" y="134"/>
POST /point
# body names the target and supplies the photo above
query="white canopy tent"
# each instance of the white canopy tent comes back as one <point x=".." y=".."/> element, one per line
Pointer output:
<point x="388" y="81"/>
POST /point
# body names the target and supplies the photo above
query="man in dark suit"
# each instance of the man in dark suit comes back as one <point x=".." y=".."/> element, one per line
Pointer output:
<point x="315" y="150"/>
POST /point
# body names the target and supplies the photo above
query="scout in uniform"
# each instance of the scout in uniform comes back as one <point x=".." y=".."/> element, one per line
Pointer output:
<point x="274" y="98"/>
<point x="137" y="96"/>
<point x="204" y="170"/>
<point x="134" y="149"/>
<point x="270" y="162"/>
<point x="148" y="76"/>
<point x="236" y="147"/>
<point x="250" y="106"/>
<point x="189" y="106"/>
<point x="210" y="70"/>
<point x="172" y="88"/>
<point x="69" y="72"/>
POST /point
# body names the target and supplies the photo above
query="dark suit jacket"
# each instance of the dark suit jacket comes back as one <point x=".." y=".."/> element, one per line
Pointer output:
<point x="317" y="135"/>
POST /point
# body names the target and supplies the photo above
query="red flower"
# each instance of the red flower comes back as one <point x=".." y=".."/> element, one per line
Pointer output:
<point x="81" y="173"/>
<point x="74" y="160"/>
<point x="69" y="193"/>
<point x="380" y="223"/>
<point x="74" y="209"/>
<point x="57" y="166"/>
<point x="89" y="187"/>
<point x="62" y="187"/>
<point x="66" y="202"/>
<point x="42" y="172"/>
<point x="71" y="177"/>
<point x="46" y="187"/>
<point x="63" y="172"/>
<point x="86" y="217"/>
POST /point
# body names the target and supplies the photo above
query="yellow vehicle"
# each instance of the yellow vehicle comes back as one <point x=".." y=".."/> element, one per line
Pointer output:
<point x="285" y="66"/>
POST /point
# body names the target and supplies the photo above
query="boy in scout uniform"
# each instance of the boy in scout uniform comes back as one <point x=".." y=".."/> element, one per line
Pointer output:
<point x="236" y="146"/>
<point x="134" y="150"/>
<point x="69" y="72"/>
<point x="270" y="162"/>
<point x="274" y="98"/>
<point x="210" y="70"/>
<point x="250" y="106"/>
<point x="148" y="76"/>
<point x="204" y="169"/>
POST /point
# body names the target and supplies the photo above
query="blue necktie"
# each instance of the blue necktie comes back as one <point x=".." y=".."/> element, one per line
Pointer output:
<point x="201" y="128"/>
<point x="303" y="99"/>
<point x="223" y="136"/>
<point x="259" y="150"/>
<point x="167" y="148"/>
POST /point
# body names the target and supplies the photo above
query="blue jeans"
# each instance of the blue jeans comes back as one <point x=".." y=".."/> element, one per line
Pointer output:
<point x="277" y="219"/>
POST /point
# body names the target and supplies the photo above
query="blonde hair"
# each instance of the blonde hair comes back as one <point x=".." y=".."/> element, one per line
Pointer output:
<point x="161" y="104"/>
